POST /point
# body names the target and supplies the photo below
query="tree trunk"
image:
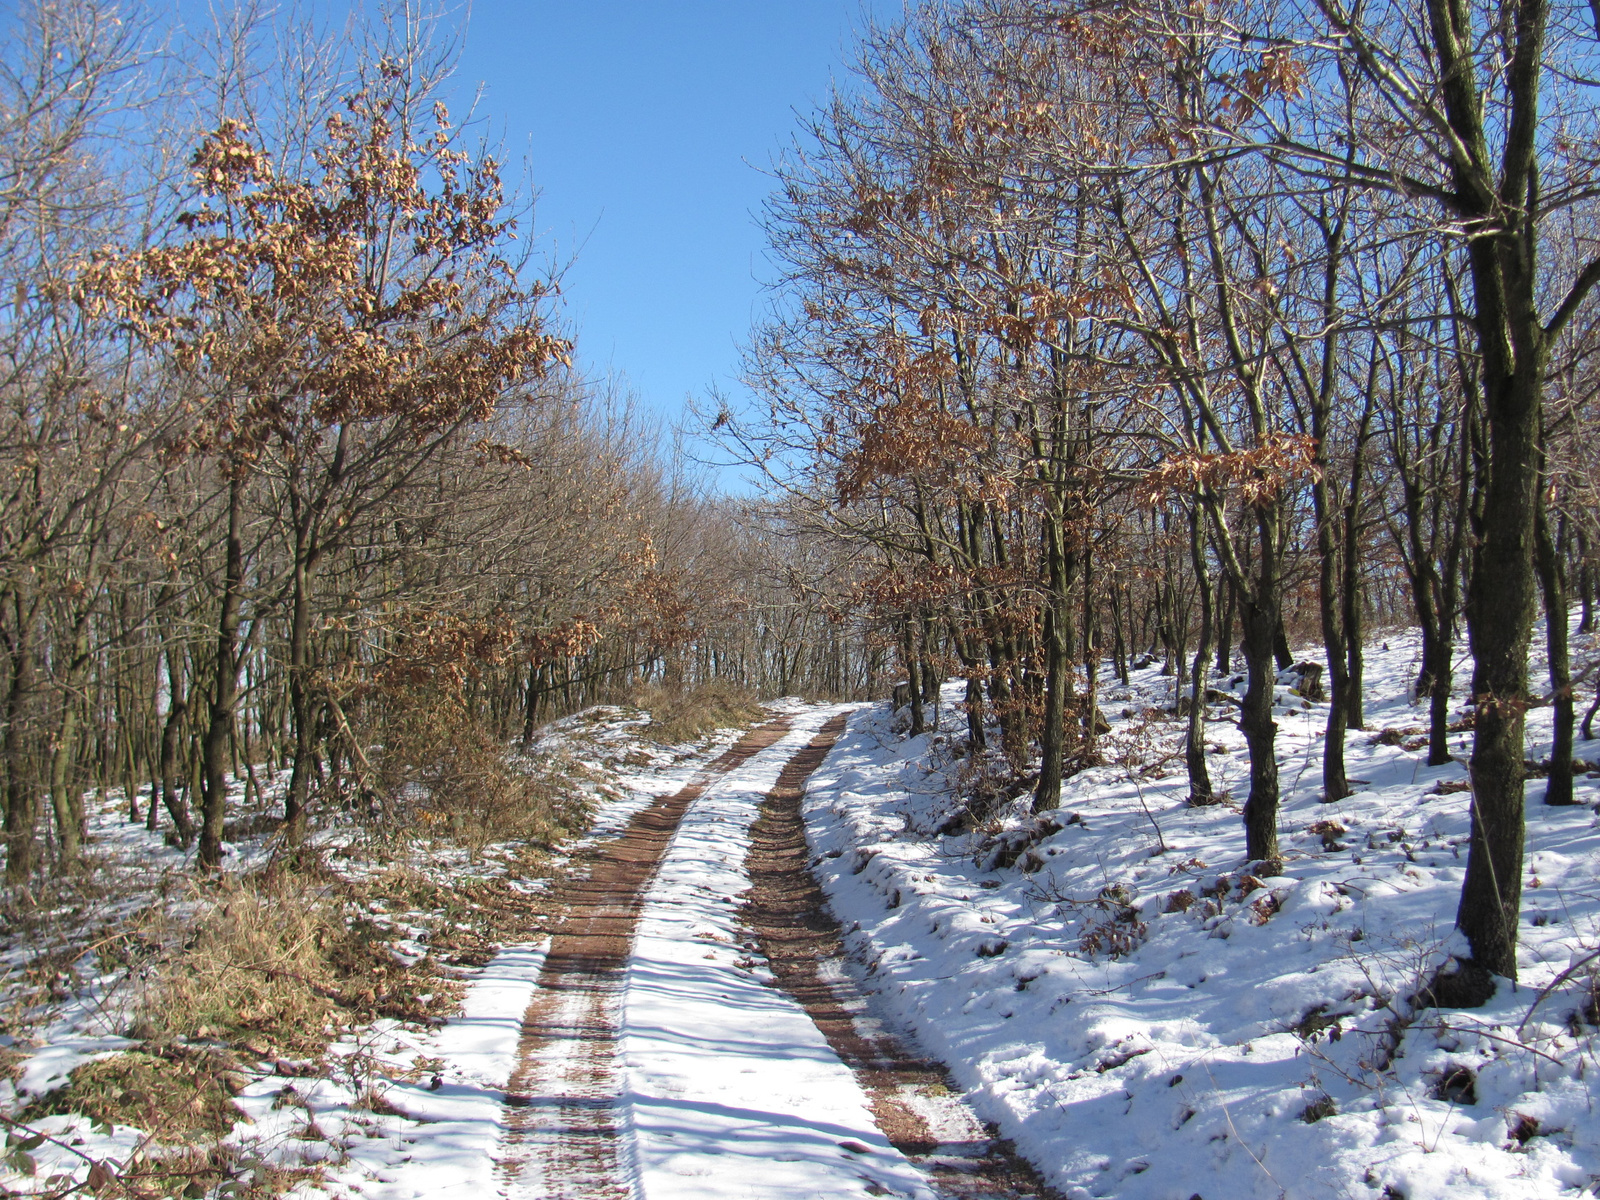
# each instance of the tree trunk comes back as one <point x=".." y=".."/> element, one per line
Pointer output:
<point x="65" y="799"/>
<point x="22" y="792"/>
<point x="530" y="708"/>
<point x="1330" y="603"/>
<point x="1500" y="623"/>
<point x="1331" y="609"/>
<point x="225" y="693"/>
<point x="130" y="777"/>
<point x="931" y="675"/>
<point x="301" y="705"/>
<point x="1350" y="593"/>
<point x="1499" y="203"/>
<point x="908" y="652"/>
<point x="1262" y="620"/>
<point x="1119" y="641"/>
<point x="1090" y="709"/>
<point x="1260" y="732"/>
<point x="976" y="739"/>
<point x="172" y="795"/>
<point x="1437" y="647"/>
<point x="1225" y="637"/>
<point x="1553" y="583"/>
<point x="1057" y="666"/>
<point x="152" y="811"/>
<point x="1195" y="749"/>
<point x="1281" y="652"/>
<point x="1585" y="583"/>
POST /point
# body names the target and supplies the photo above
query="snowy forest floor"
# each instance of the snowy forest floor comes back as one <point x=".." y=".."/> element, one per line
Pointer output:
<point x="1146" y="1020"/>
<point x="1105" y="987"/>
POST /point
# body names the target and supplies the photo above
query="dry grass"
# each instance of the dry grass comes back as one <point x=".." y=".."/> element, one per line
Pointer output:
<point x="470" y="918"/>
<point x="443" y="773"/>
<point x="270" y="967"/>
<point x="253" y="966"/>
<point x="276" y="964"/>
<point x="176" y="1096"/>
<point x="678" y="716"/>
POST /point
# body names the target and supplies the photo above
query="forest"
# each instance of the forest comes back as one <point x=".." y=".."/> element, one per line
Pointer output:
<point x="299" y="461"/>
<point x="1104" y="339"/>
<point x="1120" y="331"/>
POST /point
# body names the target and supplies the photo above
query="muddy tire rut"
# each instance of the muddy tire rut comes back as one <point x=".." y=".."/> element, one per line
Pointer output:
<point x="562" y="1128"/>
<point x="913" y="1100"/>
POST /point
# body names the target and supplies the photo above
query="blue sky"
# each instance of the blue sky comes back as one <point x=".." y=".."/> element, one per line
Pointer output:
<point x="648" y="126"/>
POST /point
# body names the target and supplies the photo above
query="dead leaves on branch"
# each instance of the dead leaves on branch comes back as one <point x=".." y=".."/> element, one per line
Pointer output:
<point x="442" y="651"/>
<point x="1259" y="475"/>
<point x="446" y="651"/>
<point x="1280" y="73"/>
<point x="911" y="436"/>
<point x="1011" y="595"/>
<point x="900" y="589"/>
<point x="568" y="640"/>
<point x="378" y="288"/>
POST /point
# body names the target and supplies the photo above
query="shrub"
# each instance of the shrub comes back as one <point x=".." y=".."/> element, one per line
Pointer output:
<point x="277" y="961"/>
<point x="437" y="769"/>
<point x="252" y="969"/>
<point x="678" y="716"/>
<point x="173" y="1096"/>
<point x="1319" y="1108"/>
<point x="1119" y="931"/>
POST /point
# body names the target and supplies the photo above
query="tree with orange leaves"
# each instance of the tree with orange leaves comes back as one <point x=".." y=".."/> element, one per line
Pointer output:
<point x="341" y="327"/>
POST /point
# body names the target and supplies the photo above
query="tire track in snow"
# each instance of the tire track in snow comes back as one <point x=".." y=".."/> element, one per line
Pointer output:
<point x="561" y="1121"/>
<point x="912" y="1101"/>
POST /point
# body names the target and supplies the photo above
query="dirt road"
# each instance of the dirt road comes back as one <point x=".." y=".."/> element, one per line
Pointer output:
<point x="561" y="1135"/>
<point x="563" y="1128"/>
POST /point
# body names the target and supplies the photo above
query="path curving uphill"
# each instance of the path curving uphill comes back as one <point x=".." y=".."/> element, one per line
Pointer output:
<point x="683" y="1044"/>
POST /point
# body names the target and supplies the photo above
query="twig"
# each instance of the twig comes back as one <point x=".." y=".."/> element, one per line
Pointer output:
<point x="1494" y="1037"/>
<point x="1160" y="841"/>
<point x="1228" y="1116"/>
<point x="1549" y="988"/>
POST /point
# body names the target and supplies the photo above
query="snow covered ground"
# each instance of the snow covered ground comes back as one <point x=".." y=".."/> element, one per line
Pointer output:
<point x="443" y="1092"/>
<point x="1151" y="1023"/>
<point x="392" y="1109"/>
<point x="1142" y="1017"/>
<point x="728" y="1088"/>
